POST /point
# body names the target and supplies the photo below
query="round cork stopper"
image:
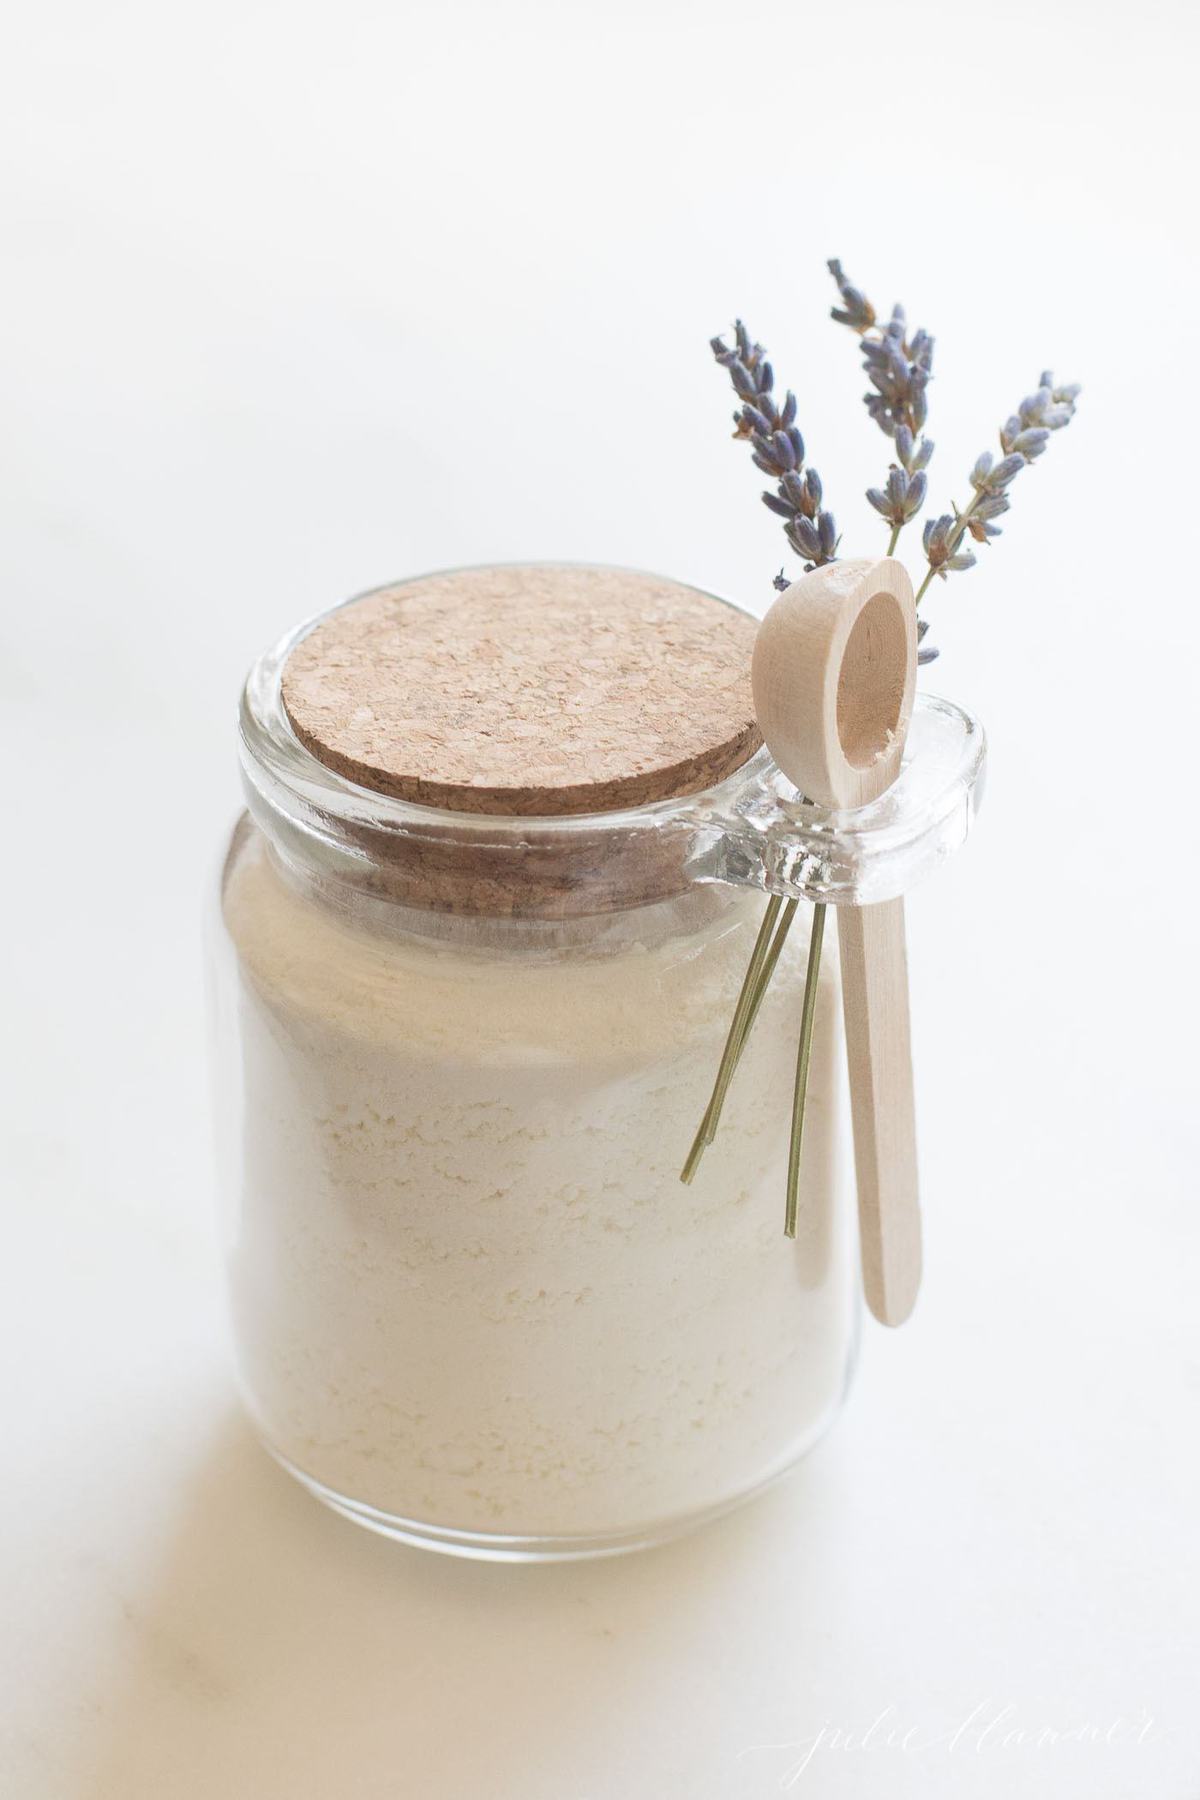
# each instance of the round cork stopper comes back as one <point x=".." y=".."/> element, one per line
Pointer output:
<point x="533" y="689"/>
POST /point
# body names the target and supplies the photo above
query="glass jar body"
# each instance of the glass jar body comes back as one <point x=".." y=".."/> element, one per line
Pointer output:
<point x="474" y="1306"/>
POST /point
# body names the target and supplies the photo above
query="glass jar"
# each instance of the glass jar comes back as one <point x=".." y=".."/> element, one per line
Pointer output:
<point x="460" y="1060"/>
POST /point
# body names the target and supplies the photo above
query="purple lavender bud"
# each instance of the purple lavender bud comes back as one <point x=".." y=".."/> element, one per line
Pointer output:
<point x="1031" y="443"/>
<point x="916" y="496"/>
<point x="1006" y="470"/>
<point x="777" y="505"/>
<point x="797" y="443"/>
<point x="827" y="531"/>
<point x="904" y="445"/>
<point x="802" y="535"/>
<point x="793" y="490"/>
<point x="880" y="502"/>
<point x="743" y="381"/>
<point x="812" y="493"/>
<point x="788" y="415"/>
<point x="897" y="492"/>
<point x="782" y="450"/>
<point x="856" y="310"/>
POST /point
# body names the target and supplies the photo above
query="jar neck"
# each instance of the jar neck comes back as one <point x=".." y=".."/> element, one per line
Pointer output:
<point x="360" y="905"/>
<point x="753" y="831"/>
<point x="358" y="850"/>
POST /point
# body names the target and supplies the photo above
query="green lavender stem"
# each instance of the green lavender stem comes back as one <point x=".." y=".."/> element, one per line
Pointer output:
<point x="762" y="984"/>
<point x="803" y="1057"/>
<point x="732" y="1050"/>
<point x="761" y="968"/>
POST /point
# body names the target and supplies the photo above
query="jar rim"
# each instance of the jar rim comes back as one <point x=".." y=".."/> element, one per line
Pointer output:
<point x="271" y="745"/>
<point x="751" y="829"/>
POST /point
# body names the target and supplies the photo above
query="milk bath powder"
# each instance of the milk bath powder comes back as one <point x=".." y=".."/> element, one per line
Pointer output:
<point x="474" y="1305"/>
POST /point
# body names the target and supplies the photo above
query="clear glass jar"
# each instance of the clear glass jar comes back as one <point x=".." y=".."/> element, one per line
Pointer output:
<point x="474" y="1306"/>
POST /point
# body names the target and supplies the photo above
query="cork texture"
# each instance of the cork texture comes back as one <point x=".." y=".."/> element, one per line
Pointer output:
<point x="530" y="690"/>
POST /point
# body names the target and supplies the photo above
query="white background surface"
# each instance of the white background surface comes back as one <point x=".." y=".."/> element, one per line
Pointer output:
<point x="298" y="299"/>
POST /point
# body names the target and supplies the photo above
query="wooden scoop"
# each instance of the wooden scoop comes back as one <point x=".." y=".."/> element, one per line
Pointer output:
<point x="834" y="673"/>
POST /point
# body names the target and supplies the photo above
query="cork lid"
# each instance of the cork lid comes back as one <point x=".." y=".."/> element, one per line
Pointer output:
<point x="535" y="689"/>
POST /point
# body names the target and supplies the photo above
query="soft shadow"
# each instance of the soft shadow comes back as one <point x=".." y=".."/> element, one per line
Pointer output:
<point x="282" y="1653"/>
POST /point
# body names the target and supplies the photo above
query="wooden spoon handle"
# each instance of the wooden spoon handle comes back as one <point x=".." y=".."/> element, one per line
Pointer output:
<point x="878" y="1048"/>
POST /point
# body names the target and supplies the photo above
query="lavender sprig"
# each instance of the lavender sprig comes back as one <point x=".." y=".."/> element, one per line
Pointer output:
<point x="778" y="450"/>
<point x="900" y="369"/>
<point x="1023" y="438"/>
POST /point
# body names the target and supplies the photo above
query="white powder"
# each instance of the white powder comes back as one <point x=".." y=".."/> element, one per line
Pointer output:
<point x="469" y="1288"/>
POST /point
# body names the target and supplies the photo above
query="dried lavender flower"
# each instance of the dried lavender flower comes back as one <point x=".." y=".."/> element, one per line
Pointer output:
<point x="899" y="365"/>
<point x="899" y="368"/>
<point x="1046" y="410"/>
<point x="777" y="448"/>
<point x="899" y="372"/>
<point x="1023" y="438"/>
<point x="856" y="310"/>
<point x="912" y="453"/>
<point x="902" y="498"/>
